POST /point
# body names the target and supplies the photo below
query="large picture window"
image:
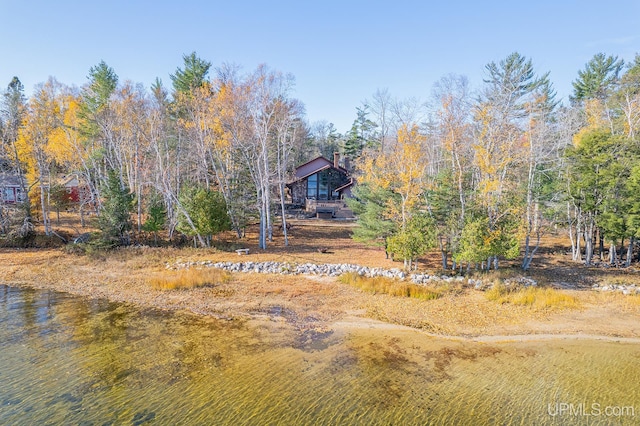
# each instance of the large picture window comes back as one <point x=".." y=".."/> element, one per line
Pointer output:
<point x="322" y="185"/>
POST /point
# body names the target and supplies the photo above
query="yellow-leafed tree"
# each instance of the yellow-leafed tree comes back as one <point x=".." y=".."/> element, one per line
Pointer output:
<point x="401" y="170"/>
<point x="41" y="141"/>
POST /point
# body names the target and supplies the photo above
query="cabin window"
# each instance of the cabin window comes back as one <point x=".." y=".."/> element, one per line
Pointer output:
<point x="312" y="186"/>
<point x="9" y="195"/>
<point x="322" y="185"/>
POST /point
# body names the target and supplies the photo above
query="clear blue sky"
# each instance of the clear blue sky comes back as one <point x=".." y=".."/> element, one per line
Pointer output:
<point x="340" y="52"/>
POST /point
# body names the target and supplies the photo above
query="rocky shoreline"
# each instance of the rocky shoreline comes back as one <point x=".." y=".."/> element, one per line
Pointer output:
<point x="337" y="269"/>
<point x="326" y="269"/>
<point x="308" y="296"/>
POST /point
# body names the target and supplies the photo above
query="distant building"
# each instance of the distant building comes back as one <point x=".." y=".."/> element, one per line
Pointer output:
<point x="76" y="191"/>
<point x="320" y="185"/>
<point x="11" y="187"/>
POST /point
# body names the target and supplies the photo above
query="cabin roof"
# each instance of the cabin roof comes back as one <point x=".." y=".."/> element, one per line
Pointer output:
<point x="316" y="165"/>
<point x="325" y="167"/>
<point x="10" y="180"/>
<point x="313" y="160"/>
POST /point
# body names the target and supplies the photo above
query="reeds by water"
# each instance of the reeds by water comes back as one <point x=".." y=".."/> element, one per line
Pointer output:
<point x="189" y="278"/>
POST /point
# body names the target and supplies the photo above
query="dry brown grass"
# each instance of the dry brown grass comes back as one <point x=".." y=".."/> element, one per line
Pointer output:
<point x="124" y="275"/>
<point x="535" y="297"/>
<point x="391" y="287"/>
<point x="189" y="278"/>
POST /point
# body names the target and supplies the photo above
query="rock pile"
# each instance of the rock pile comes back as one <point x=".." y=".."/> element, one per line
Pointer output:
<point x="624" y="289"/>
<point x="520" y="282"/>
<point x="327" y="269"/>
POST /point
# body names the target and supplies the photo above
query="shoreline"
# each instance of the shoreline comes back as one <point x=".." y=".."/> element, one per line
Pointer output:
<point x="319" y="304"/>
<point x="362" y="323"/>
<point x="359" y="323"/>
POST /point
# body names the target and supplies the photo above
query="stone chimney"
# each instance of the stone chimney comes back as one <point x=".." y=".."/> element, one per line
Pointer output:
<point x="336" y="160"/>
<point x="347" y="164"/>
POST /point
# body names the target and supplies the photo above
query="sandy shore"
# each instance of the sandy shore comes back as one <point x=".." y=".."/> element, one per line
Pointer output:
<point x="317" y="304"/>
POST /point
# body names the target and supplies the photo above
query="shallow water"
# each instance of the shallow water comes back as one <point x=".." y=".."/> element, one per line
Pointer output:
<point x="68" y="360"/>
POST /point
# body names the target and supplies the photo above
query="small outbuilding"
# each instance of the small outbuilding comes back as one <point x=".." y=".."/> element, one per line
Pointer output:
<point x="11" y="187"/>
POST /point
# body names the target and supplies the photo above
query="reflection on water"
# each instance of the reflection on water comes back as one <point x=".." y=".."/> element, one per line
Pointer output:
<point x="67" y="360"/>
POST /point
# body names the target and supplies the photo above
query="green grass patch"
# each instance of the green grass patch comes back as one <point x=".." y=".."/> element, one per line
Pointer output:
<point x="388" y="286"/>
<point x="189" y="278"/>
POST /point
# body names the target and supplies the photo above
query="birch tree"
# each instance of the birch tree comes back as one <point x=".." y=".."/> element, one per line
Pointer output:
<point x="96" y="126"/>
<point x="453" y="128"/>
<point x="500" y="142"/>
<point x="402" y="171"/>
<point x="36" y="141"/>
<point x="12" y="114"/>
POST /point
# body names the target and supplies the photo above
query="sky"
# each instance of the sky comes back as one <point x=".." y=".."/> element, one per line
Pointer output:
<point x="340" y="52"/>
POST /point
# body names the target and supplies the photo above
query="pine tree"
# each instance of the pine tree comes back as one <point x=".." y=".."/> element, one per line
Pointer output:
<point x="156" y="217"/>
<point x="598" y="78"/>
<point x="207" y="211"/>
<point x="114" y="219"/>
<point x="369" y="205"/>
<point x="192" y="76"/>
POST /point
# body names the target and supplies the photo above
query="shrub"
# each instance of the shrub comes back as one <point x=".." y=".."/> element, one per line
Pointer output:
<point x="206" y="213"/>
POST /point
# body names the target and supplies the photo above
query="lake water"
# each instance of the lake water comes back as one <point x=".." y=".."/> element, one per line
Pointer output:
<point x="72" y="361"/>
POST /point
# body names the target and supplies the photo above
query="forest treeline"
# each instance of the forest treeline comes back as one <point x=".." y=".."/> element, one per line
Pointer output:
<point x="478" y="174"/>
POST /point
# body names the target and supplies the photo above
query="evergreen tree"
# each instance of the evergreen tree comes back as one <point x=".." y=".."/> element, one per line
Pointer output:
<point x="598" y="78"/>
<point x="207" y="211"/>
<point x="114" y="219"/>
<point x="361" y="135"/>
<point x="369" y="205"/>
<point x="473" y="247"/>
<point x="589" y="166"/>
<point x="445" y="208"/>
<point x="192" y="76"/>
<point x="156" y="217"/>
<point x="13" y="111"/>
<point x="417" y="237"/>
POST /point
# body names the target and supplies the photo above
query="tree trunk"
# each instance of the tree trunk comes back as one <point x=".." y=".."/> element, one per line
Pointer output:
<point x="529" y="253"/>
<point x="632" y="242"/>
<point x="571" y="235"/>
<point x="444" y="253"/>
<point x="613" y="257"/>
<point x="284" y="216"/>
<point x="589" y="237"/>
<point x="262" y="238"/>
<point x="45" y="211"/>
<point x="579" y="230"/>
